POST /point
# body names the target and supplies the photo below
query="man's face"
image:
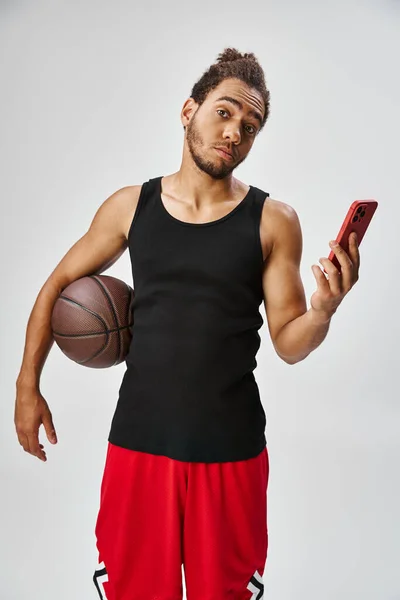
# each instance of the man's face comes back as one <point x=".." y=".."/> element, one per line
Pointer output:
<point x="222" y="123"/>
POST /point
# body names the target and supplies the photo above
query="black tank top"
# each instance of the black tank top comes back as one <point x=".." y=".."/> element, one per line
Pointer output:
<point x="189" y="391"/>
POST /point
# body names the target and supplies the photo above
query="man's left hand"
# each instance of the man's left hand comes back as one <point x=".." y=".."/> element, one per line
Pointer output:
<point x="332" y="289"/>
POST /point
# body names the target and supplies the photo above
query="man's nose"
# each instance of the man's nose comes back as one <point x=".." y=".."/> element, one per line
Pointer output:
<point x="232" y="132"/>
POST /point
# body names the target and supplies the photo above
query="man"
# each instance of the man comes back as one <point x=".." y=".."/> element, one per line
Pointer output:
<point x="187" y="466"/>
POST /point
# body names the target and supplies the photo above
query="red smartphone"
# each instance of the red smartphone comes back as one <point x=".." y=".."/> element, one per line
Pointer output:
<point x="357" y="219"/>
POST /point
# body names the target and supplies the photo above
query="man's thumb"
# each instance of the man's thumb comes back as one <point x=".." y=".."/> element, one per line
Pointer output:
<point x="49" y="428"/>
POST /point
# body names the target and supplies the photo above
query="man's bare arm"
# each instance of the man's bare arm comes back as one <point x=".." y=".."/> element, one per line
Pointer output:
<point x="100" y="247"/>
<point x="295" y="332"/>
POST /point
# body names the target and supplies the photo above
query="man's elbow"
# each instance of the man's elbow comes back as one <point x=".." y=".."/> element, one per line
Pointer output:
<point x="290" y="360"/>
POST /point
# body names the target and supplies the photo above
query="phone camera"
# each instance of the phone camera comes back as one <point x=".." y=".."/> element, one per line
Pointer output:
<point x="355" y="219"/>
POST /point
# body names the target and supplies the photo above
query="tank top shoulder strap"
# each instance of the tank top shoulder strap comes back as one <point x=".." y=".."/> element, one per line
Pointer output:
<point x="146" y="196"/>
<point x="257" y="204"/>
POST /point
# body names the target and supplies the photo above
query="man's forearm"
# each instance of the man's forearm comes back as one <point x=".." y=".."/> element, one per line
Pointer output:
<point x="39" y="337"/>
<point x="298" y="338"/>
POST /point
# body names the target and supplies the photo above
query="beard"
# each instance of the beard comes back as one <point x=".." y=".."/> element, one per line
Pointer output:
<point x="217" y="169"/>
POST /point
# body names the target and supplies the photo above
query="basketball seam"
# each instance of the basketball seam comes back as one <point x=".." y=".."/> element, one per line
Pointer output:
<point x="102" y="321"/>
<point x="110" y="302"/>
<point x="81" y="362"/>
<point x="83" y="335"/>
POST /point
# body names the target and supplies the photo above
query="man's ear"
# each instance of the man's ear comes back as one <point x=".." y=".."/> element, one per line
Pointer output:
<point x="188" y="110"/>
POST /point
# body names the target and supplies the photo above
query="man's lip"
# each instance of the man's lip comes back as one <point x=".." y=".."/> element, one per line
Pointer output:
<point x="224" y="151"/>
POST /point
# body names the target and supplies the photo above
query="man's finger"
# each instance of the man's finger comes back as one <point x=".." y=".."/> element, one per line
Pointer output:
<point x="354" y="250"/>
<point x="350" y="264"/>
<point x="347" y="267"/>
<point x="322" y="282"/>
<point x="34" y="447"/>
<point x="335" y="283"/>
<point x="48" y="425"/>
<point x="341" y="255"/>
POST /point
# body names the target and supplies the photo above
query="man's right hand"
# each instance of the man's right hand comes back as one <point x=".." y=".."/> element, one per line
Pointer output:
<point x="31" y="411"/>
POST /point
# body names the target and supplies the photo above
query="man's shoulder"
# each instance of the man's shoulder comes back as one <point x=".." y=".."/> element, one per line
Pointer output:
<point x="125" y="203"/>
<point x="278" y="209"/>
<point x="279" y="221"/>
<point x="274" y="208"/>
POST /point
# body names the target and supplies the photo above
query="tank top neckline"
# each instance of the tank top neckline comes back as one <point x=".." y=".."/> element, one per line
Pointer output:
<point x="207" y="223"/>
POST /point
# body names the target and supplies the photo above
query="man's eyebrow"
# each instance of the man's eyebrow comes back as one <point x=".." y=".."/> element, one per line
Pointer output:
<point x="253" y="113"/>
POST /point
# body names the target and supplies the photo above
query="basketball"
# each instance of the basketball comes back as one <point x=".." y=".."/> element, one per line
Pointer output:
<point x="91" y="321"/>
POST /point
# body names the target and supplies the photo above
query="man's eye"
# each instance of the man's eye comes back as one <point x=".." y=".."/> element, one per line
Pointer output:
<point x="221" y="110"/>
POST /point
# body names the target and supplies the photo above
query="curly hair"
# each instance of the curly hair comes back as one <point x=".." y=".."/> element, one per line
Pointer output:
<point x="231" y="63"/>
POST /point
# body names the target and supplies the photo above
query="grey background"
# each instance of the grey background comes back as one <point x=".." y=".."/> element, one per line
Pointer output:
<point x="90" y="102"/>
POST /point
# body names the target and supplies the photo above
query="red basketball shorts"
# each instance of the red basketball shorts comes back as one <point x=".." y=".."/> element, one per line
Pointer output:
<point x="157" y="514"/>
